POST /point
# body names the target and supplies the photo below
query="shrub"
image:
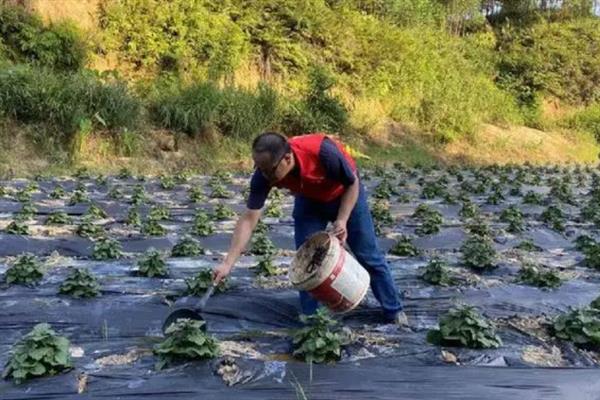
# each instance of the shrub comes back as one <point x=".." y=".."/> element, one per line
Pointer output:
<point x="532" y="197"/>
<point x="318" y="110"/>
<point x="152" y="264"/>
<point x="436" y="273"/>
<point x="187" y="247"/>
<point x="134" y="217"/>
<point x="245" y="113"/>
<point x="592" y="257"/>
<point x="59" y="218"/>
<point x="261" y="245"/>
<point x="63" y="101"/>
<point x="587" y="120"/>
<point x="580" y="326"/>
<point x="80" y="284"/>
<point x="78" y="197"/>
<point x="88" y="229"/>
<point x="554" y="217"/>
<point x="107" y="249"/>
<point x="26" y="270"/>
<point x="159" y="213"/>
<point x="265" y="266"/>
<point x="203" y="225"/>
<point x="57" y="45"/>
<point x="514" y="217"/>
<point x="222" y="212"/>
<point x="528" y="245"/>
<point x="535" y="276"/>
<point x="196" y="195"/>
<point x="465" y="327"/>
<point x="404" y="247"/>
<point x="197" y="285"/>
<point x="478" y="252"/>
<point x="39" y="353"/>
<point x="192" y="110"/>
<point x="317" y="342"/>
<point x="185" y="340"/>
<point x="431" y="220"/>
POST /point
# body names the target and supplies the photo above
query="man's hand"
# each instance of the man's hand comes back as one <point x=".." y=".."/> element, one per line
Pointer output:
<point x="220" y="272"/>
<point x="339" y="229"/>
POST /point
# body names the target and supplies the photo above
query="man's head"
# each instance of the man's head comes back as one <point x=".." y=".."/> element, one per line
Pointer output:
<point x="272" y="156"/>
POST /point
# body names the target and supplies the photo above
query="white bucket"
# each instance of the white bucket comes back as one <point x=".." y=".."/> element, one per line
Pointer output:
<point x="329" y="273"/>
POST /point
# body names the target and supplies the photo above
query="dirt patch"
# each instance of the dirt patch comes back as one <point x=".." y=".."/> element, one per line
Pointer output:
<point x="542" y="356"/>
<point x="122" y="359"/>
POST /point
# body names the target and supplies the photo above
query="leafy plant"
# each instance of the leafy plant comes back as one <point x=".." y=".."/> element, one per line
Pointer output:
<point x="28" y="211"/>
<point x="88" y="229"/>
<point x="185" y="340"/>
<point x="262" y="245"/>
<point x="203" y="225"/>
<point x="17" y="228"/>
<point x="431" y="190"/>
<point x="528" y="245"/>
<point x="115" y="193"/>
<point x="26" y="270"/>
<point x="199" y="283"/>
<point x="514" y="217"/>
<point x="265" y="266"/>
<point x="124" y="173"/>
<point x="196" y="195"/>
<point x="187" y="247"/>
<point x="273" y="209"/>
<point x="159" y="213"/>
<point x="532" y="197"/>
<point x="478" y="252"/>
<point x="584" y="242"/>
<point x="39" y="353"/>
<point x="580" y="326"/>
<point x="134" y="217"/>
<point x="152" y="264"/>
<point x="536" y="276"/>
<point x="554" y="217"/>
<point x="222" y="212"/>
<point x="138" y="196"/>
<point x="436" y="272"/>
<point x="58" y="192"/>
<point x="380" y="211"/>
<point x="167" y="182"/>
<point x="220" y="192"/>
<point x="431" y="220"/>
<point x="23" y="196"/>
<point x="469" y="209"/>
<point x="152" y="227"/>
<point x="59" y="218"/>
<point x="383" y="190"/>
<point x="464" y="326"/>
<point x="478" y="226"/>
<point x="107" y="249"/>
<point x="592" y="257"/>
<point x="95" y="212"/>
<point x="595" y="303"/>
<point x="80" y="284"/>
<point x="317" y="341"/>
<point x="495" y="198"/>
<point x="79" y="196"/>
<point x="404" y="247"/>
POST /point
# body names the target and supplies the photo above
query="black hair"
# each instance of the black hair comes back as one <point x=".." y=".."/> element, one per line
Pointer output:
<point x="273" y="143"/>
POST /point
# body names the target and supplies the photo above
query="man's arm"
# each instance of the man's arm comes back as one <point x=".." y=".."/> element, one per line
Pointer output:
<point x="347" y="203"/>
<point x="241" y="236"/>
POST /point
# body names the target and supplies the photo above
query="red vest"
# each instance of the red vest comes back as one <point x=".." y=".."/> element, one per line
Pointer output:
<point x="312" y="182"/>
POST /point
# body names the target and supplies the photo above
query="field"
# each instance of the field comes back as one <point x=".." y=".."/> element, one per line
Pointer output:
<point x="520" y="243"/>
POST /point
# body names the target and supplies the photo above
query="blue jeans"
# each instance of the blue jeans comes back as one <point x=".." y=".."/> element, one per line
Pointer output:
<point x="311" y="216"/>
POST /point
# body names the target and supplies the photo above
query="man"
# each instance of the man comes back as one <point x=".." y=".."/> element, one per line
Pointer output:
<point x="325" y="181"/>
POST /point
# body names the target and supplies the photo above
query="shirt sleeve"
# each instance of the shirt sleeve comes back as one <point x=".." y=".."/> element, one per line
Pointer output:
<point x="259" y="191"/>
<point x="336" y="166"/>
